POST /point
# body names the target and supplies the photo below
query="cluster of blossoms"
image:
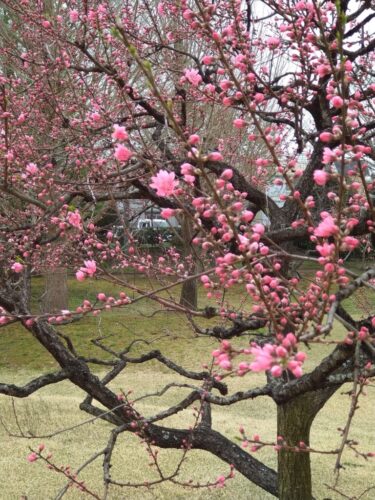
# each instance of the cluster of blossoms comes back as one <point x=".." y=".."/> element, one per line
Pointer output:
<point x="33" y="456"/>
<point x="275" y="358"/>
<point x="66" y="470"/>
<point x="252" y="264"/>
<point x="103" y="303"/>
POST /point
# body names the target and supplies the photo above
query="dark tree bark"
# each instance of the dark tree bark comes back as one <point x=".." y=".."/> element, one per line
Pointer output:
<point x="294" y="420"/>
<point x="189" y="291"/>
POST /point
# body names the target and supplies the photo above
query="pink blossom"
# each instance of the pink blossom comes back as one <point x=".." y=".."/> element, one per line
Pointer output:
<point x="207" y="59"/>
<point x="326" y="249"/>
<point x="193" y="76"/>
<point x="198" y="202"/>
<point x="122" y="153"/>
<point x="326" y="228"/>
<point x="220" y="479"/>
<point x="296" y="370"/>
<point x="17" y="267"/>
<point x="73" y="16"/>
<point x="164" y="182"/>
<point x="209" y="88"/>
<point x="189" y="179"/>
<point x="323" y="70"/>
<point x="273" y="42"/>
<point x="187" y="169"/>
<point x="229" y="258"/>
<point x="329" y="156"/>
<point x="119" y="133"/>
<point x="74" y="219"/>
<point x="95" y="116"/>
<point x="90" y="268"/>
<point x="80" y="275"/>
<point x="224" y="363"/>
<point x="350" y="243"/>
<point x="321" y="177"/>
<point x="32" y="169"/>
<point x="258" y="228"/>
<point x="264" y="357"/>
<point x="9" y="155"/>
<point x="167" y="213"/>
<point x="226" y="84"/>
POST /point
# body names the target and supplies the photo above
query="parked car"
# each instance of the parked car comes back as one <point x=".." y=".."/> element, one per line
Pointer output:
<point x="156" y="232"/>
<point x="152" y="223"/>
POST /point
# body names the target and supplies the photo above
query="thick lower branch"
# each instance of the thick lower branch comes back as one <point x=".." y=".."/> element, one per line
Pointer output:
<point x="217" y="444"/>
<point x="33" y="385"/>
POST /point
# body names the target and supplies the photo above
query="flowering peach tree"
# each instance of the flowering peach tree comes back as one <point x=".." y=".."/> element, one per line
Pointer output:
<point x="204" y="109"/>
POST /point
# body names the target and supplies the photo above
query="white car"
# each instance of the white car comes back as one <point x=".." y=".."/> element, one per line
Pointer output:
<point x="152" y="223"/>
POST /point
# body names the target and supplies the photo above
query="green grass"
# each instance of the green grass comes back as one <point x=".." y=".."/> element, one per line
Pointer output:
<point x="57" y="407"/>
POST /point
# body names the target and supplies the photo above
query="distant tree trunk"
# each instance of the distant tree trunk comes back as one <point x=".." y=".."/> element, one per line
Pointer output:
<point x="294" y="420"/>
<point x="189" y="292"/>
<point x="55" y="297"/>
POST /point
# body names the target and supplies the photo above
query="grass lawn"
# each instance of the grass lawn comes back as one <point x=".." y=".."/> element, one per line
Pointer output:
<point x="56" y="407"/>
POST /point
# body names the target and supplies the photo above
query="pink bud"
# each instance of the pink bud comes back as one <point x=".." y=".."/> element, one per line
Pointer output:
<point x="321" y="177"/>
<point x="326" y="137"/>
<point x="239" y="123"/>
<point x="32" y="457"/>
<point x="215" y="156"/>
<point x="276" y="371"/>
<point x="194" y="139"/>
<point x="337" y="102"/>
<point x="227" y="174"/>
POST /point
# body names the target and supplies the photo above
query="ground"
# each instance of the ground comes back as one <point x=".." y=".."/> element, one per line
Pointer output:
<point x="56" y="407"/>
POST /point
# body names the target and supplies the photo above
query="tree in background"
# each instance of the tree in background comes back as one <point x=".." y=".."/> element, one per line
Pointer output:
<point x="293" y="80"/>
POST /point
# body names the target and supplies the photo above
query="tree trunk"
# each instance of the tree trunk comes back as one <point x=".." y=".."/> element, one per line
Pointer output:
<point x="55" y="297"/>
<point x="189" y="292"/>
<point x="294" y="420"/>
